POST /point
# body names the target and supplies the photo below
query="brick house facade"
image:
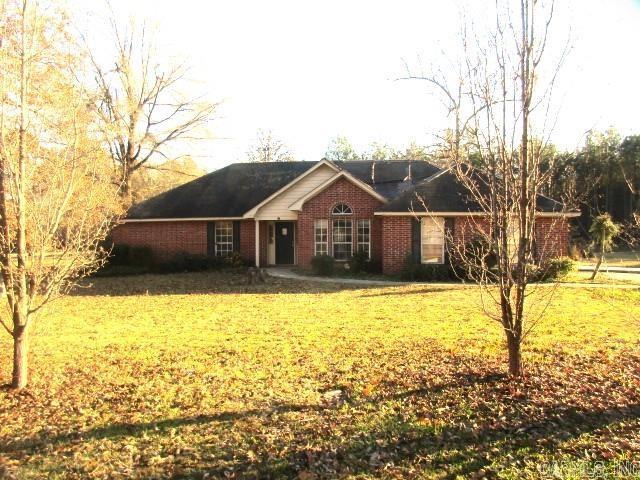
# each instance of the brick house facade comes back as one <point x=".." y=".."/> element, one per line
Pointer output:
<point x="551" y="237"/>
<point x="319" y="208"/>
<point x="290" y="212"/>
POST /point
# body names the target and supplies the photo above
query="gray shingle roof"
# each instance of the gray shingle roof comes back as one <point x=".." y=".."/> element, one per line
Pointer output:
<point x="237" y="188"/>
<point x="228" y="192"/>
<point x="443" y="192"/>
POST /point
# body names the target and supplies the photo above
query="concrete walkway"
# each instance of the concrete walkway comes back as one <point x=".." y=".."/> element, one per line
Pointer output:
<point x="281" y="272"/>
<point x="609" y="269"/>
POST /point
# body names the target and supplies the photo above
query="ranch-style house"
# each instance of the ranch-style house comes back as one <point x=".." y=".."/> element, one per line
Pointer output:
<point x="284" y="213"/>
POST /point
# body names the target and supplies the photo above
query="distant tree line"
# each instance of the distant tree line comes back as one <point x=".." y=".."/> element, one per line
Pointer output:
<point x="341" y="150"/>
<point x="602" y="177"/>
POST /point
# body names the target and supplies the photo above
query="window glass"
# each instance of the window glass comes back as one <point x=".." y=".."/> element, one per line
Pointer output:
<point x="224" y="239"/>
<point x="513" y="238"/>
<point x="342" y="239"/>
<point x="342" y="209"/>
<point x="321" y="237"/>
<point x="432" y="240"/>
<point x="364" y="236"/>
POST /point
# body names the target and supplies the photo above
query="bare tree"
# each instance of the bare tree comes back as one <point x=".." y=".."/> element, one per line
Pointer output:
<point x="142" y="104"/>
<point x="268" y="148"/>
<point x="56" y="195"/>
<point x="153" y="180"/>
<point x="502" y="121"/>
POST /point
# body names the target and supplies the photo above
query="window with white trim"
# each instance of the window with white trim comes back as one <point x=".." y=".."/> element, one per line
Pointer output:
<point x="342" y="209"/>
<point x="321" y="236"/>
<point x="513" y="238"/>
<point x="224" y="239"/>
<point x="364" y="236"/>
<point x="432" y="240"/>
<point x="342" y="238"/>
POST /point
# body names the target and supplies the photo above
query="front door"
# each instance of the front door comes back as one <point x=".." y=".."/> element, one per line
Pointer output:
<point x="284" y="243"/>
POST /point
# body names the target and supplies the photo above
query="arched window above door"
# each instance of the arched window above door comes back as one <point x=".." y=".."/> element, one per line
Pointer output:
<point x="342" y="209"/>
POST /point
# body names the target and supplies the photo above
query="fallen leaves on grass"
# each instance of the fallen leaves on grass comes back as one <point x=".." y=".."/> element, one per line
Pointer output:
<point x="294" y="380"/>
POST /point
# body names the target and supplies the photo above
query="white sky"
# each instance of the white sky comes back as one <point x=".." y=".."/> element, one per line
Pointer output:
<point x="310" y="71"/>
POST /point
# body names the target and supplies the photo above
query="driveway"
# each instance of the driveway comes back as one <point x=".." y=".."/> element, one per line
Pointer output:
<point x="283" y="272"/>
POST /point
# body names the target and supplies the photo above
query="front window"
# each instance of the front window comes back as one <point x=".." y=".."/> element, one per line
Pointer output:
<point x="364" y="237"/>
<point x="321" y="235"/>
<point x="432" y="240"/>
<point x="224" y="239"/>
<point x="513" y="239"/>
<point x="342" y="239"/>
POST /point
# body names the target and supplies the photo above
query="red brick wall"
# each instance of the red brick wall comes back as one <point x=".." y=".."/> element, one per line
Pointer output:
<point x="464" y="228"/>
<point x="320" y="206"/>
<point x="552" y="238"/>
<point x="264" y="231"/>
<point x="551" y="234"/>
<point x="248" y="240"/>
<point x="391" y="237"/>
<point x="396" y="243"/>
<point x="168" y="238"/>
<point x="165" y="238"/>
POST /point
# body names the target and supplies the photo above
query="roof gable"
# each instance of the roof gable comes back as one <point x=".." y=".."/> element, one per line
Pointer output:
<point x="278" y="202"/>
<point x="299" y="203"/>
<point x="278" y="205"/>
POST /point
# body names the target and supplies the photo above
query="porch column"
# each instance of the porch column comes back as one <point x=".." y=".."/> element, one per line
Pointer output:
<point x="257" y="242"/>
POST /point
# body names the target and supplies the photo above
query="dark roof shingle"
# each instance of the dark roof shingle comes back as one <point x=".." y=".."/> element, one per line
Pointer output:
<point x="443" y="192"/>
<point x="228" y="192"/>
<point x="237" y="188"/>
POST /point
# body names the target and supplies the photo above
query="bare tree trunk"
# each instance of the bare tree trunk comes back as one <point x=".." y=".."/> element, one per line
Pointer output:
<point x="125" y="189"/>
<point x="20" y="375"/>
<point x="600" y="258"/>
<point x="44" y="250"/>
<point x="515" y="358"/>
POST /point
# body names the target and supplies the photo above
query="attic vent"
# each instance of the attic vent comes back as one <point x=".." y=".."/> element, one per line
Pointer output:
<point x="373" y="172"/>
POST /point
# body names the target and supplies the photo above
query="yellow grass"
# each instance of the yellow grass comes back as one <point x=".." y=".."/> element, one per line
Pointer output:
<point x="186" y="375"/>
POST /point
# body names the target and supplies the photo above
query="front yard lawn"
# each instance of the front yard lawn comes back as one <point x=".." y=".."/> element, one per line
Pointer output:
<point x="200" y="376"/>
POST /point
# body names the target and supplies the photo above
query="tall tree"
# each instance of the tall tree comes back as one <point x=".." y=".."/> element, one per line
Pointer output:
<point x="145" y="105"/>
<point x="158" y="178"/>
<point x="497" y="99"/>
<point x="57" y="199"/>
<point x="379" y="151"/>
<point x="268" y="148"/>
<point x="630" y="169"/>
<point x="413" y="152"/>
<point x="341" y="150"/>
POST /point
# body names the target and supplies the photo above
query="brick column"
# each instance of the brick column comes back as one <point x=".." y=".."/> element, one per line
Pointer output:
<point x="396" y="243"/>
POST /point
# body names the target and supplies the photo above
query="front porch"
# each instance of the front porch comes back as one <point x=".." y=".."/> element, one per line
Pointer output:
<point x="275" y="242"/>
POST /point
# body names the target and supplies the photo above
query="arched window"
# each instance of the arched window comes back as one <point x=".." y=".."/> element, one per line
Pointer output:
<point x="342" y="209"/>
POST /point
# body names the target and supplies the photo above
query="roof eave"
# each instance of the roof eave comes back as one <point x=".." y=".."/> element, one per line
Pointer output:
<point x="177" y="219"/>
<point x="407" y="213"/>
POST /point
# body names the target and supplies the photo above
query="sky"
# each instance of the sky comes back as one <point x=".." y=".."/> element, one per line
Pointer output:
<point x="309" y="71"/>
